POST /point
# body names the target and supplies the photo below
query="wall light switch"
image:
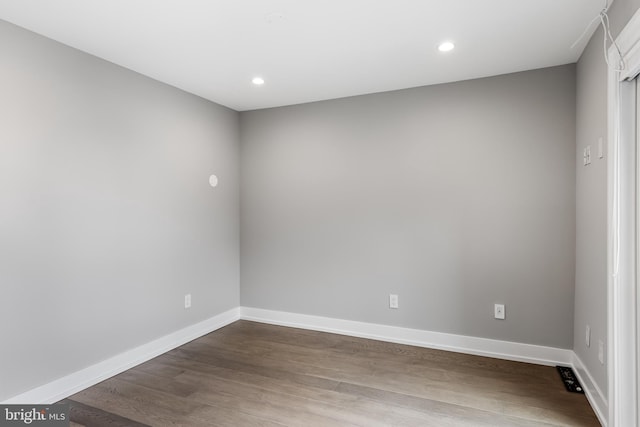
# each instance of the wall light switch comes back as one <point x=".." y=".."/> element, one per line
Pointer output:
<point x="586" y="155"/>
<point x="187" y="301"/>
<point x="498" y="311"/>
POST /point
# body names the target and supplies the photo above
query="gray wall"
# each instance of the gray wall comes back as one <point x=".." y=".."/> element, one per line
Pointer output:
<point x="591" y="197"/>
<point x="454" y="196"/>
<point x="106" y="216"/>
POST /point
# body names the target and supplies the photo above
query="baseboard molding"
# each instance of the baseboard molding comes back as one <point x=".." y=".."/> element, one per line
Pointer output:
<point x="458" y="343"/>
<point x="596" y="398"/>
<point x="79" y="380"/>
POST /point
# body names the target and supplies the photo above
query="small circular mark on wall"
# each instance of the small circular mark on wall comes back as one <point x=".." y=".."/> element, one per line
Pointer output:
<point x="213" y="181"/>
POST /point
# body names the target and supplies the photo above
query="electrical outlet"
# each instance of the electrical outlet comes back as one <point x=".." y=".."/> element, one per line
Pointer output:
<point x="587" y="336"/>
<point x="600" y="148"/>
<point x="498" y="311"/>
<point x="601" y="352"/>
<point x="187" y="301"/>
<point x="393" y="301"/>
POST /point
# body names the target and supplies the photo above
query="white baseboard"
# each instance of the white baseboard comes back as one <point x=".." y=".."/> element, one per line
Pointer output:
<point x="79" y="380"/>
<point x="458" y="343"/>
<point x="596" y="398"/>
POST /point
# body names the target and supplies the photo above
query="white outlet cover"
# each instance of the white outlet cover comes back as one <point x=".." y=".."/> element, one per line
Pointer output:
<point x="498" y="311"/>
<point x="587" y="336"/>
<point x="601" y="352"/>
<point x="600" y="148"/>
<point x="213" y="181"/>
<point x="393" y="301"/>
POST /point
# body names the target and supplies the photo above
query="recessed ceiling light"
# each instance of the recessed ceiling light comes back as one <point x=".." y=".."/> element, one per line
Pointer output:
<point x="258" y="81"/>
<point x="446" y="47"/>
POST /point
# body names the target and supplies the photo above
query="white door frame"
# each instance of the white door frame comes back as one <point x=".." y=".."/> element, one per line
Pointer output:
<point x="622" y="219"/>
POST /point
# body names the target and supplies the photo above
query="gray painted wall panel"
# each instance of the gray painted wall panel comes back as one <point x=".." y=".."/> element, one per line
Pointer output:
<point x="455" y="197"/>
<point x="107" y="218"/>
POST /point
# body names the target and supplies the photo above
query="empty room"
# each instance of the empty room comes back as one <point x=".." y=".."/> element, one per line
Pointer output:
<point x="319" y="213"/>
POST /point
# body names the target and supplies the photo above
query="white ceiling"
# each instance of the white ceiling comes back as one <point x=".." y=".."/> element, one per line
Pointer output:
<point x="309" y="50"/>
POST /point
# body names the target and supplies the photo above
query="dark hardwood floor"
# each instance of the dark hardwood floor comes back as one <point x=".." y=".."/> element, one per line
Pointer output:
<point x="251" y="374"/>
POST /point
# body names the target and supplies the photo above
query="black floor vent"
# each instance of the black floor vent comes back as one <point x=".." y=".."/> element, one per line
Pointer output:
<point x="569" y="379"/>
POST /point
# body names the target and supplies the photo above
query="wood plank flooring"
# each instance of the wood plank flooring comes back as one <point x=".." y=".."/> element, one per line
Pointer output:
<point x="252" y="374"/>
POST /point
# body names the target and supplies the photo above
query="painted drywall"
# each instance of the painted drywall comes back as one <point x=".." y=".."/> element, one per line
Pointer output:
<point x="454" y="197"/>
<point x="107" y="218"/>
<point x="591" y="197"/>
